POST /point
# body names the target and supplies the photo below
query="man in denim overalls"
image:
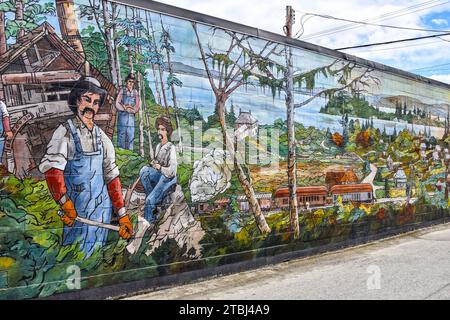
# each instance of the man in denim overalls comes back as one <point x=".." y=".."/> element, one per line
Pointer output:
<point x="81" y="173"/>
<point x="128" y="103"/>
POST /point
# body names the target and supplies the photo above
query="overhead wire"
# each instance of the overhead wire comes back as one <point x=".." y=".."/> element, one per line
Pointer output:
<point x="399" y="47"/>
<point x="393" y="41"/>
<point x="415" y="8"/>
<point x="431" y="67"/>
<point x="394" y="14"/>
<point x="375" y="24"/>
<point x="391" y="15"/>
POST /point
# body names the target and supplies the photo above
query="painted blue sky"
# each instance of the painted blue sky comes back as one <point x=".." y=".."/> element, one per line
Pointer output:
<point x="196" y="91"/>
<point x="428" y="57"/>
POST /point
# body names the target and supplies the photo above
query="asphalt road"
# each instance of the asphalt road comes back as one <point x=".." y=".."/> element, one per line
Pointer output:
<point x="415" y="265"/>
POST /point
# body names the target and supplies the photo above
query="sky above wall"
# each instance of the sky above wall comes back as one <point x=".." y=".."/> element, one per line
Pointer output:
<point x="428" y="57"/>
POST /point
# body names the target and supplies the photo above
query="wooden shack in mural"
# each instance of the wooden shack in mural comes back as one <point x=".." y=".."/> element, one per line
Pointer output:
<point x="36" y="76"/>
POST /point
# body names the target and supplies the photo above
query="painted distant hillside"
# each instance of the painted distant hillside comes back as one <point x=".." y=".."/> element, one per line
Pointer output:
<point x="391" y="102"/>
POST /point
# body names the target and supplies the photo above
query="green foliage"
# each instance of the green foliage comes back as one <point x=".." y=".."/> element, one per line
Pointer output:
<point x="220" y="60"/>
<point x="308" y="79"/>
<point x="129" y="163"/>
<point x="184" y="173"/>
<point x="166" y="257"/>
<point x="275" y="85"/>
<point x="191" y="115"/>
<point x="341" y="104"/>
<point x="34" y="12"/>
<point x="402" y="149"/>
<point x="29" y="235"/>
<point x="7" y="6"/>
<point x="172" y="80"/>
<point x="34" y="9"/>
<point x="95" y="50"/>
<point x="230" y="117"/>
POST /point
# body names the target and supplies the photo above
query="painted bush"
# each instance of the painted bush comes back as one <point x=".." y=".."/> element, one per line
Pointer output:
<point x="139" y="145"/>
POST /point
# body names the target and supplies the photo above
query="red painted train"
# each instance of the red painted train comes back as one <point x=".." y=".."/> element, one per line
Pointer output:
<point x="307" y="197"/>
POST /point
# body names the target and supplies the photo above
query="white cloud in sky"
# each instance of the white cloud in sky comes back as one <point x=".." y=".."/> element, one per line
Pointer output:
<point x="270" y="16"/>
<point x="441" y="77"/>
<point x="440" y="22"/>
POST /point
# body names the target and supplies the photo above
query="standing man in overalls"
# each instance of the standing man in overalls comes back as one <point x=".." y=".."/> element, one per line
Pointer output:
<point x="128" y="103"/>
<point x="5" y="130"/>
<point x="81" y="172"/>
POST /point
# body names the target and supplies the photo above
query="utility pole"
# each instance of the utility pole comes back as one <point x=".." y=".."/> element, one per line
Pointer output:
<point x="292" y="158"/>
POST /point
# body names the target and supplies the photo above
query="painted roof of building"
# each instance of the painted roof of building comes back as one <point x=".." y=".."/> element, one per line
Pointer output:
<point x="45" y="30"/>
<point x="350" y="188"/>
<point x="341" y="176"/>
<point x="246" y="117"/>
<point x="400" y="174"/>
<point x="302" y="191"/>
<point x="222" y="201"/>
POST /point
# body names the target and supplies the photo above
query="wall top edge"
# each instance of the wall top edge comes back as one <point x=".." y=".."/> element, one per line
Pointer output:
<point x="185" y="14"/>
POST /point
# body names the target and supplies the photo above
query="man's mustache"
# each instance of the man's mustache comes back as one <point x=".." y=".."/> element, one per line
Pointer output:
<point x="88" y="109"/>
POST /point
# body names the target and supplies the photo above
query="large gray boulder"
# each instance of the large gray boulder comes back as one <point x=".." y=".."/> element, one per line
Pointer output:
<point x="175" y="221"/>
<point x="211" y="175"/>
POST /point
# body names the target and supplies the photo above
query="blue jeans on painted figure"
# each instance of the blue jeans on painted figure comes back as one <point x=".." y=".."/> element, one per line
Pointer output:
<point x="2" y="142"/>
<point x="2" y="147"/>
<point x="125" y="130"/>
<point x="156" y="186"/>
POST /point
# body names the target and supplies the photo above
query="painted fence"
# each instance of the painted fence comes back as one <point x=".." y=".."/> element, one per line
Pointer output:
<point x="142" y="142"/>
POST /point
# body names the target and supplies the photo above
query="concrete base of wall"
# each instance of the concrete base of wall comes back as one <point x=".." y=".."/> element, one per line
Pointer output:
<point x="122" y="290"/>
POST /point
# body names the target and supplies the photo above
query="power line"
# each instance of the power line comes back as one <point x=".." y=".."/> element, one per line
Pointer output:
<point x="431" y="67"/>
<point x="400" y="47"/>
<point x="391" y="15"/>
<point x="386" y="16"/>
<point x="394" y="41"/>
<point x="374" y="24"/>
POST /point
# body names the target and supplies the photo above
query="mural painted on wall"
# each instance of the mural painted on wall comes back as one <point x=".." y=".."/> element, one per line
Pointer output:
<point x="138" y="145"/>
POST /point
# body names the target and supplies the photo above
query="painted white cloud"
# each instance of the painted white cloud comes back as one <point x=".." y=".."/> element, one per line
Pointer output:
<point x="441" y="77"/>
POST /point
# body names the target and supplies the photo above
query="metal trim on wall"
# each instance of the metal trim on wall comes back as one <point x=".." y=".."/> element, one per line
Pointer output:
<point x="185" y="14"/>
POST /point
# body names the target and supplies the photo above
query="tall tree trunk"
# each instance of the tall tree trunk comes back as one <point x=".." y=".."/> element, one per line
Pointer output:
<point x="158" y="93"/>
<point x="174" y="99"/>
<point x="130" y="56"/>
<point x="147" y="120"/>
<point x="109" y="43"/>
<point x="141" y="119"/>
<point x="19" y="16"/>
<point x="161" y="73"/>
<point x="292" y="159"/>
<point x="20" y="34"/>
<point x="141" y="87"/>
<point x="163" y="90"/>
<point x="3" y="46"/>
<point x="245" y="183"/>
<point x="116" y="47"/>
